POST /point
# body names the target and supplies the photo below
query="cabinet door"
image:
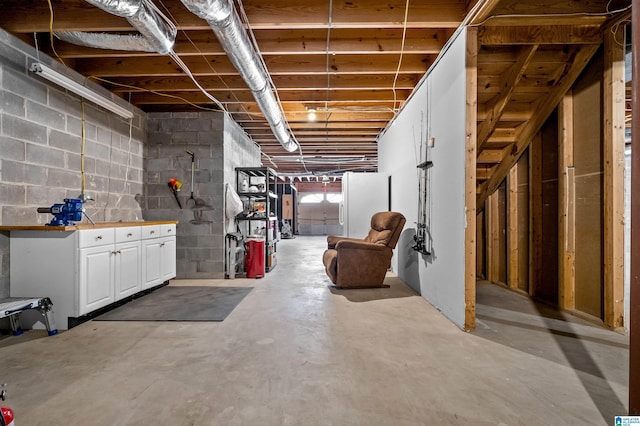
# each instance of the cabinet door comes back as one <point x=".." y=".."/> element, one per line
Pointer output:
<point x="96" y="278"/>
<point x="127" y="269"/>
<point x="168" y="258"/>
<point x="151" y="263"/>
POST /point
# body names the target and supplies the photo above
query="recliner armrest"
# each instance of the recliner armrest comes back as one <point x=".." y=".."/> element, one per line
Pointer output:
<point x="353" y="244"/>
<point x="332" y="240"/>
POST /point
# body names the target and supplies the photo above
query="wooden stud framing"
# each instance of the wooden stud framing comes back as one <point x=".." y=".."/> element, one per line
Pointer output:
<point x="499" y="103"/>
<point x="492" y="208"/>
<point x="634" y="311"/>
<point x="470" y="179"/>
<point x="614" y="124"/>
<point x="535" y="214"/>
<point x="566" y="205"/>
<point x="513" y="231"/>
<point x="580" y="57"/>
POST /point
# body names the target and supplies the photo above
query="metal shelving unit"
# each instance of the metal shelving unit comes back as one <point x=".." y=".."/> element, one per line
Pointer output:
<point x="256" y="187"/>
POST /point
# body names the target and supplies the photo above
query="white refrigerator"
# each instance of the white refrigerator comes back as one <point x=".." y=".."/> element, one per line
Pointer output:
<point x="363" y="194"/>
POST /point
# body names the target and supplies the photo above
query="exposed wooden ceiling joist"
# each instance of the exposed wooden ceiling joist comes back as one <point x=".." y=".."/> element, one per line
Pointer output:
<point x="355" y="72"/>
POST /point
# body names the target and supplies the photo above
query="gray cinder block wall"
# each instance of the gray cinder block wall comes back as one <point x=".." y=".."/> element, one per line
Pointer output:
<point x="219" y="146"/>
<point x="40" y="149"/>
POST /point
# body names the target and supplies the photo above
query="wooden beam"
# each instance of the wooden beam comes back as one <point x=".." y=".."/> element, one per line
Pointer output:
<point x="499" y="103"/>
<point x="483" y="11"/>
<point x="545" y="106"/>
<point x="21" y="16"/>
<point x="365" y="41"/>
<point x="566" y="205"/>
<point x="277" y="65"/>
<point x="484" y="172"/>
<point x="302" y="100"/>
<point x="490" y="156"/>
<point x="513" y="257"/>
<point x="546" y="19"/>
<point x="471" y="77"/>
<point x="283" y="83"/>
<point x="614" y="217"/>
<point x="543" y="34"/>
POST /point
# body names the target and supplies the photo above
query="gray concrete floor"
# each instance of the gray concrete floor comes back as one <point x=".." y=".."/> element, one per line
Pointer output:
<point x="298" y="352"/>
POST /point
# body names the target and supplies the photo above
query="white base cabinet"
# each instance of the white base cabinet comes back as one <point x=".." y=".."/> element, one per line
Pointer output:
<point x="88" y="269"/>
<point x="159" y="254"/>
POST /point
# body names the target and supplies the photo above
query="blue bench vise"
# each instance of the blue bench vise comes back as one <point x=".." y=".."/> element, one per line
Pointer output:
<point x="64" y="214"/>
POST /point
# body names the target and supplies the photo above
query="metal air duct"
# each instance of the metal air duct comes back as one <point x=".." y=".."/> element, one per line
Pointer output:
<point x="226" y="25"/>
<point x="130" y="42"/>
<point x="160" y="34"/>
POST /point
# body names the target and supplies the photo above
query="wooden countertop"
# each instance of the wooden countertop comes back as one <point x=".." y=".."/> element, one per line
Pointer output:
<point x="87" y="225"/>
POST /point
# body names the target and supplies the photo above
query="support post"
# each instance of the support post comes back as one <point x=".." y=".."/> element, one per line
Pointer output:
<point x="634" y="322"/>
<point x="613" y="153"/>
<point x="471" y="130"/>
<point x="566" y="206"/>
<point x="535" y="214"/>
<point x="513" y="257"/>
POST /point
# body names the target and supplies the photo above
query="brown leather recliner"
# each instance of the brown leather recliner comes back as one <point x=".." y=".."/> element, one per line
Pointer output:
<point x="363" y="263"/>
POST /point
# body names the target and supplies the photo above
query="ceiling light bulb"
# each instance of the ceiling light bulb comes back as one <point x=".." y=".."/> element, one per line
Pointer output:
<point x="312" y="114"/>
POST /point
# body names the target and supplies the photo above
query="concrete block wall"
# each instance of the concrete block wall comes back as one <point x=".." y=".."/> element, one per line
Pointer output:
<point x="239" y="151"/>
<point x="40" y="149"/>
<point x="219" y="146"/>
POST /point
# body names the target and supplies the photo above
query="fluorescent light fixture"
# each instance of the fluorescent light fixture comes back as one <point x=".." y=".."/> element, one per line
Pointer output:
<point x="64" y="81"/>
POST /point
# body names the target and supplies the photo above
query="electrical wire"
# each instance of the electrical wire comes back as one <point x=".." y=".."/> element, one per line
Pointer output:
<point x="83" y="178"/>
<point x="326" y="65"/>
<point x="128" y="86"/>
<point x="187" y="71"/>
<point x="258" y="54"/>
<point x="202" y="55"/>
<point x="404" y="36"/>
<point x="328" y="92"/>
<point x="244" y="110"/>
<point x="51" y="31"/>
<point x="83" y="129"/>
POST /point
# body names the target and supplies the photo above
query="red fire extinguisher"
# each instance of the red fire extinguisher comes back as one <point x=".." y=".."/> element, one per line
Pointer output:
<point x="6" y="413"/>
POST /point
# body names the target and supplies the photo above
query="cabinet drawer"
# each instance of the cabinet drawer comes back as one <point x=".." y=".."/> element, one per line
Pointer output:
<point x="150" y="231"/>
<point x="168" y="230"/>
<point x="129" y="233"/>
<point x="95" y="237"/>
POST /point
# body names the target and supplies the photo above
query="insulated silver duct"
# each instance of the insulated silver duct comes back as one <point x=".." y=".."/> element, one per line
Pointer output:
<point x="144" y="17"/>
<point x="226" y="25"/>
<point x="130" y="42"/>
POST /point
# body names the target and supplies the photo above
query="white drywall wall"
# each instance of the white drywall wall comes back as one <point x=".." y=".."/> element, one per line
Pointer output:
<point x="437" y="110"/>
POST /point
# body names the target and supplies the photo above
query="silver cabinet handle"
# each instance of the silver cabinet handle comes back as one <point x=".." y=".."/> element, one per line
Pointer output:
<point x="152" y="232"/>
<point x="129" y="235"/>
<point x="99" y="237"/>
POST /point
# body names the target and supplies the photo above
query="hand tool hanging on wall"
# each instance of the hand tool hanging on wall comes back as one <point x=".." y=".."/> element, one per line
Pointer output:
<point x="191" y="202"/>
<point x="175" y="185"/>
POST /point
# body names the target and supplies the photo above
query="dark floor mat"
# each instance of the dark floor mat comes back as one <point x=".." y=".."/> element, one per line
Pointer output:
<point x="180" y="303"/>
